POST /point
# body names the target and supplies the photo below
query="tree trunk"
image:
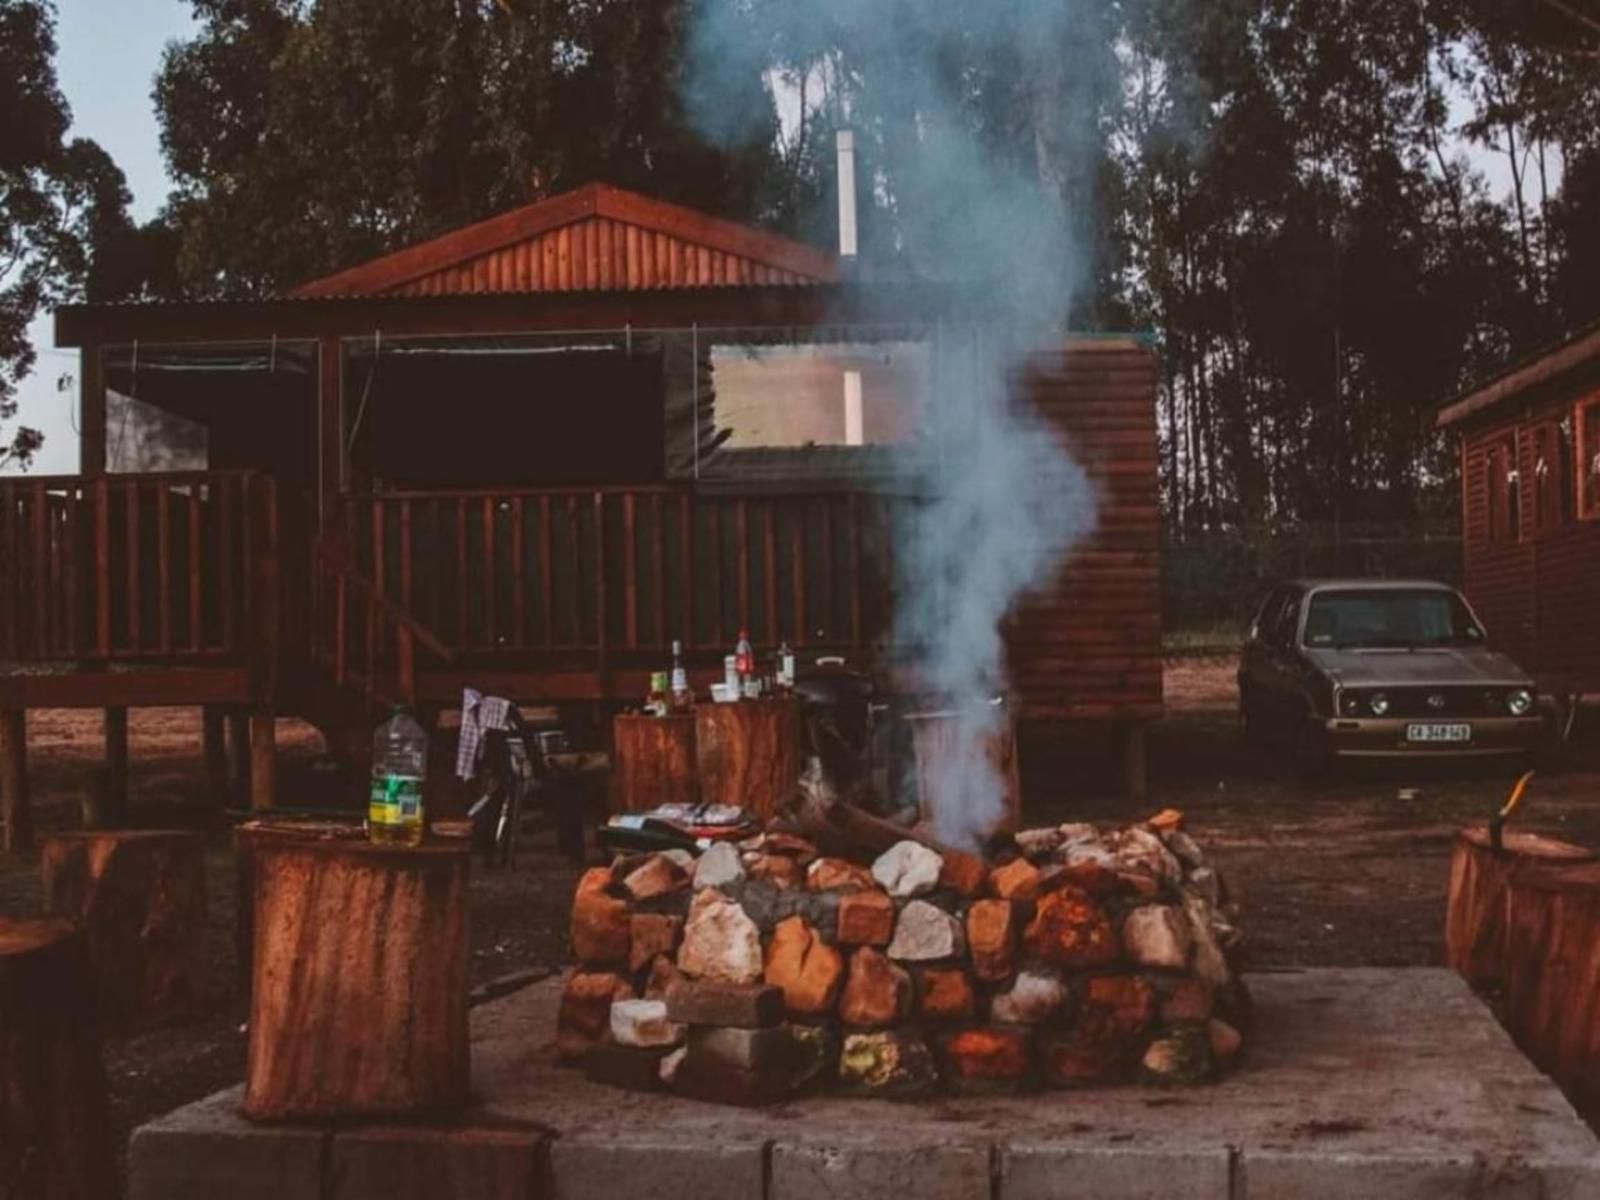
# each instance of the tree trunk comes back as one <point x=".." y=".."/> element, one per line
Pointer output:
<point x="55" y="1121"/>
<point x="359" y="1003"/>
<point x="1553" y="988"/>
<point x="655" y="762"/>
<point x="1475" y="916"/>
<point x="748" y="754"/>
<point x="141" y="897"/>
<point x="958" y="814"/>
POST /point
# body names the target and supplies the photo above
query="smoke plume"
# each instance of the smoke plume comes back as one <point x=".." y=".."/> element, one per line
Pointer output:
<point x="976" y="132"/>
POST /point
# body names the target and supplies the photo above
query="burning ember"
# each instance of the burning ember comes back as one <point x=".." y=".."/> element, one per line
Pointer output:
<point x="763" y="969"/>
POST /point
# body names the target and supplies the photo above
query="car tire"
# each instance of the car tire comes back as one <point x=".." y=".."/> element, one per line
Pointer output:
<point x="1313" y="764"/>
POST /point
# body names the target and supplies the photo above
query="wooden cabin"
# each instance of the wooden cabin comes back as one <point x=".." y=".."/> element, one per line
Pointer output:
<point x="1530" y="505"/>
<point x="526" y="456"/>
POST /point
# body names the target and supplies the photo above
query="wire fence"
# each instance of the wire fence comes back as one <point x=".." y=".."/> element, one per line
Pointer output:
<point x="1212" y="583"/>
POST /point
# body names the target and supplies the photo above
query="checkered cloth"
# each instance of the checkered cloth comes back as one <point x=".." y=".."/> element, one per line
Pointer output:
<point x="478" y="714"/>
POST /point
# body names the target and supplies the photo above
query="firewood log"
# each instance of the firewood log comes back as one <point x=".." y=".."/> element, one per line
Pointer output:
<point x="1553" y="975"/>
<point x="1475" y="923"/>
<point x="359" y="1003"/>
<point x="141" y="896"/>
<point x="55" y="1121"/>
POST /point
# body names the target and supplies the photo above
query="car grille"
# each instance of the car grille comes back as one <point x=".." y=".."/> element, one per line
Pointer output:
<point x="1457" y="701"/>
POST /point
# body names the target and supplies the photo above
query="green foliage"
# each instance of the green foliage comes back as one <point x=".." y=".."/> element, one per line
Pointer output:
<point x="64" y="228"/>
<point x="305" y="137"/>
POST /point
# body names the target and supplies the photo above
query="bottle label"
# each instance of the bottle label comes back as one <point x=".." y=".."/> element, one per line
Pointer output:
<point x="680" y="679"/>
<point x="395" y="800"/>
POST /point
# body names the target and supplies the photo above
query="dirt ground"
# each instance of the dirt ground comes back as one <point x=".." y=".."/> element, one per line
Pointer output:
<point x="1348" y="872"/>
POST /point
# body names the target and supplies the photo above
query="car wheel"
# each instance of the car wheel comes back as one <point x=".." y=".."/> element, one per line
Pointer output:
<point x="1249" y="715"/>
<point x="1313" y="764"/>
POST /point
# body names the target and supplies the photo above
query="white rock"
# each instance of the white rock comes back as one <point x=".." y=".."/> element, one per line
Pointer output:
<point x="1137" y="849"/>
<point x="1077" y="833"/>
<point x="1037" y="843"/>
<point x="1185" y="848"/>
<point x="925" y="932"/>
<point x="682" y="858"/>
<point x="1035" y="996"/>
<point x="719" y="941"/>
<point x="643" y="1023"/>
<point x="908" y="869"/>
<point x="718" y="867"/>
<point x="1087" y="852"/>
<point x="1158" y="935"/>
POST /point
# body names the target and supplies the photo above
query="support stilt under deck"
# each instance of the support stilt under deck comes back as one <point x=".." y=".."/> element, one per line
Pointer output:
<point x="214" y="737"/>
<point x="108" y="800"/>
<point x="237" y="741"/>
<point x="16" y="811"/>
<point x="263" y="760"/>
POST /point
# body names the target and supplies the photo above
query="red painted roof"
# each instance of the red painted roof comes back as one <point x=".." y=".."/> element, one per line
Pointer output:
<point x="597" y="238"/>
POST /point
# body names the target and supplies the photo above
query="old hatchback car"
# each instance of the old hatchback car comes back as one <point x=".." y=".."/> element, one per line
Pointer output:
<point x="1381" y="668"/>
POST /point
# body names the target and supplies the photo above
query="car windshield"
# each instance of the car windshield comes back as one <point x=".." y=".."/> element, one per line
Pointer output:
<point x="1395" y="618"/>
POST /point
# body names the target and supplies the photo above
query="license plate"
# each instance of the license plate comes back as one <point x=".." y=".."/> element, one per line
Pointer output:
<point x="1460" y="732"/>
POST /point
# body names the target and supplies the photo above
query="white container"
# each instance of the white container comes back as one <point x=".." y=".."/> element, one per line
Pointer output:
<point x="724" y="694"/>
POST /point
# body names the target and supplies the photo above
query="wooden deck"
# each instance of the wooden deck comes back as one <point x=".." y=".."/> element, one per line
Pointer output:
<point x="137" y="589"/>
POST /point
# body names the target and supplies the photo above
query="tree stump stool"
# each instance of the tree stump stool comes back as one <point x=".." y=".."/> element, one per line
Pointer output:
<point x="359" y="998"/>
<point x="748" y="753"/>
<point x="55" y="1119"/>
<point x="141" y="898"/>
<point x="954" y="800"/>
<point x="1475" y="915"/>
<point x="1553" y="975"/>
<point x="654" y="762"/>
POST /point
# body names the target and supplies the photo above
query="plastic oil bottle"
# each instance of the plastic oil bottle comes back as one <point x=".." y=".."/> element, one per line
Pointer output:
<point x="399" y="766"/>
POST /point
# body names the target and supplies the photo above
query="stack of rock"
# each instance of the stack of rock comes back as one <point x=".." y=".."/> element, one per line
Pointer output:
<point x="762" y="969"/>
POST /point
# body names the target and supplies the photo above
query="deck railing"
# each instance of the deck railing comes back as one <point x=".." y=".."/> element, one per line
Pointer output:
<point x="612" y="570"/>
<point x="149" y="567"/>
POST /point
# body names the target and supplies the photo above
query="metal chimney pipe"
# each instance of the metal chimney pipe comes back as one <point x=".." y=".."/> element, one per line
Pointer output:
<point x="845" y="143"/>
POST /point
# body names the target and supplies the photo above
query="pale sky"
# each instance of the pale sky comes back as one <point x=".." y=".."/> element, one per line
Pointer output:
<point x="108" y="54"/>
<point x="109" y="51"/>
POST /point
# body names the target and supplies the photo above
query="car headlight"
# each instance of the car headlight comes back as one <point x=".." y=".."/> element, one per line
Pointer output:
<point x="1379" y="703"/>
<point x="1520" y="702"/>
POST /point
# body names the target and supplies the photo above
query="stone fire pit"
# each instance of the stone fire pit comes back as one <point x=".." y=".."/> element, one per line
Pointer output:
<point x="763" y="969"/>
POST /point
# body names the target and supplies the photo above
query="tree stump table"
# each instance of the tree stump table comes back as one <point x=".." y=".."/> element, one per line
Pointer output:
<point x="655" y="762"/>
<point x="1553" y="975"/>
<point x="1475" y="916"/>
<point x="359" y="998"/>
<point x="55" y="1120"/>
<point x="748" y="753"/>
<point x="141" y="897"/>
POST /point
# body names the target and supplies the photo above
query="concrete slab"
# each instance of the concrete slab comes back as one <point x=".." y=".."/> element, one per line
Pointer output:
<point x="1368" y="1082"/>
<point x="207" y="1151"/>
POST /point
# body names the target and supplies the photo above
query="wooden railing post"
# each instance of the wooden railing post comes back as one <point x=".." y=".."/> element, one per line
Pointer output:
<point x="103" y="567"/>
<point x="405" y="652"/>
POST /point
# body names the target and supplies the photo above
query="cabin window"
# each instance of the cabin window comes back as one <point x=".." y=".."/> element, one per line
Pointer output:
<point x="1588" y="414"/>
<point x="1553" y="502"/>
<point x="819" y="408"/>
<point x="820" y="394"/>
<point x="1503" y="484"/>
